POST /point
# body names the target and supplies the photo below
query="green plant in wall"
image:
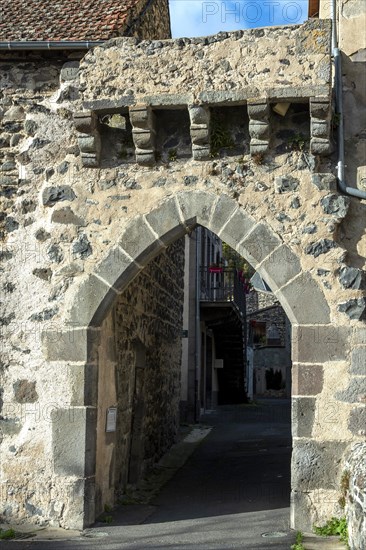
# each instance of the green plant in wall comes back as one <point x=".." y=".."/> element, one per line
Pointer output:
<point x="333" y="527"/>
<point x="220" y="137"/>
<point x="108" y="519"/>
<point x="172" y="155"/>
<point x="6" y="534"/>
<point x="344" y="486"/>
<point x="336" y="119"/>
<point x="298" y="544"/>
<point x="297" y="142"/>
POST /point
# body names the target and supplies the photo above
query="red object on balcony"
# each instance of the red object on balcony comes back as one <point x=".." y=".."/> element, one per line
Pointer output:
<point x="215" y="269"/>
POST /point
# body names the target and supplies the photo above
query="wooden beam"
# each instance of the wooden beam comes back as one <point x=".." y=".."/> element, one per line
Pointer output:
<point x="313" y="8"/>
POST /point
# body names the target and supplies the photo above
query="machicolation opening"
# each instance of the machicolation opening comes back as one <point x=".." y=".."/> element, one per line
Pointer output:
<point x="229" y="131"/>
<point x="173" y="138"/>
<point x="117" y="145"/>
<point x="291" y="131"/>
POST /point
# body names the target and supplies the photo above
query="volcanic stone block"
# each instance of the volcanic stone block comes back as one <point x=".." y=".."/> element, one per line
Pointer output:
<point x="318" y="343"/>
<point x="73" y="441"/>
<point x="238" y="226"/>
<point x="258" y="244"/>
<point x="357" y="420"/>
<point x="305" y="286"/>
<point x="196" y="207"/>
<point x="351" y="277"/>
<point x="358" y="360"/>
<point x="84" y="385"/>
<point x="139" y="242"/>
<point x="117" y="269"/>
<point x="316" y="464"/>
<point x="303" y="414"/>
<point x="92" y="301"/>
<point x="355" y="392"/>
<point x="354" y="308"/>
<point x="307" y="379"/>
<point x="54" y="194"/>
<point x="25" y="391"/>
<point x="280" y="267"/>
<point x="336" y="205"/>
<point x="166" y="222"/>
<point x="324" y="182"/>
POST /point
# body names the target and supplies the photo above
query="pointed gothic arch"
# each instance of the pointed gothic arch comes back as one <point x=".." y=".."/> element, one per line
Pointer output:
<point x="314" y="339"/>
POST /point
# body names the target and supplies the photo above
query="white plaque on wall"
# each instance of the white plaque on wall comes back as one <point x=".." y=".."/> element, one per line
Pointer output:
<point x="111" y="419"/>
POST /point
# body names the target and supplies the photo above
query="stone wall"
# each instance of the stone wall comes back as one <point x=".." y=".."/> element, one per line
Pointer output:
<point x="74" y="237"/>
<point x="259" y="300"/>
<point x="272" y="315"/>
<point x="139" y="371"/>
<point x="274" y="355"/>
<point x="354" y="493"/>
<point x="151" y="22"/>
<point x="276" y="60"/>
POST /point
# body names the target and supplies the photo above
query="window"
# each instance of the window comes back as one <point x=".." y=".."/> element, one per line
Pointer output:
<point x="257" y="333"/>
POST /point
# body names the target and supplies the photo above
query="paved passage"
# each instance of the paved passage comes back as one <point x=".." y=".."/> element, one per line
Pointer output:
<point x="233" y="492"/>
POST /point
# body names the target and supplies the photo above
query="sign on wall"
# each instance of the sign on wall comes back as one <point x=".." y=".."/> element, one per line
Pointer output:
<point x="111" y="422"/>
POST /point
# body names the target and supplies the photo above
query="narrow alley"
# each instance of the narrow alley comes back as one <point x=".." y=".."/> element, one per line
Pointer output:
<point x="233" y="492"/>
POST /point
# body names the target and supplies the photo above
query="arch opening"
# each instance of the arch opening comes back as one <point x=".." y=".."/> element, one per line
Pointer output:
<point x="150" y="235"/>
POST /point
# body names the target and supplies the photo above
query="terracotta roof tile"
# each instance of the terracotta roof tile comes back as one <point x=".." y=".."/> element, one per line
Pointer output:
<point x="69" y="19"/>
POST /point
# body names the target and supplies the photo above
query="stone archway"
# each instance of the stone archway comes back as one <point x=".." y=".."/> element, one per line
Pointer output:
<point x="315" y="341"/>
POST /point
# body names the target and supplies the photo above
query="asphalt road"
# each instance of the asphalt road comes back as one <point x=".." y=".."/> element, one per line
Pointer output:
<point x="232" y="493"/>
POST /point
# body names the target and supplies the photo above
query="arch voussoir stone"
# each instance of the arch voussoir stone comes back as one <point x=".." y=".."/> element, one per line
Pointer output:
<point x="259" y="243"/>
<point x="236" y="228"/>
<point x="117" y="268"/>
<point x="303" y="289"/>
<point x="166" y="222"/>
<point x="91" y="302"/>
<point x="279" y="267"/>
<point x="224" y="209"/>
<point x="196" y="207"/>
<point x="140" y="242"/>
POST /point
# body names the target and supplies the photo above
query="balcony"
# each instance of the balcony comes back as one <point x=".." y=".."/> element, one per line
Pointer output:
<point x="224" y="285"/>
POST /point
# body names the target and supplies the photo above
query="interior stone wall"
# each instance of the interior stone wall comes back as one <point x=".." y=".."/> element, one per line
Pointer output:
<point x="139" y="355"/>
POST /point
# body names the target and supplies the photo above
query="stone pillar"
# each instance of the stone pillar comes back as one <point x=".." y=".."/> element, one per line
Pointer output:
<point x="86" y="123"/>
<point x="258" y="111"/>
<point x="320" y="117"/>
<point x="200" y="131"/>
<point x="317" y="457"/>
<point x="73" y="457"/>
<point x="143" y="133"/>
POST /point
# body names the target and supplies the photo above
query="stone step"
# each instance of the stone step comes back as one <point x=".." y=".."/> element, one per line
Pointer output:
<point x="315" y="542"/>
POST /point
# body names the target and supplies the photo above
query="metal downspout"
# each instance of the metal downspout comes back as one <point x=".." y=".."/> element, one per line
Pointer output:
<point x="339" y="109"/>
<point x="198" y="325"/>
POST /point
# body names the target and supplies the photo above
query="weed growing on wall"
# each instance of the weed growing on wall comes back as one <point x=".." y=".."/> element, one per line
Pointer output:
<point x="298" y="544"/>
<point x="6" y="534"/>
<point x="334" y="526"/>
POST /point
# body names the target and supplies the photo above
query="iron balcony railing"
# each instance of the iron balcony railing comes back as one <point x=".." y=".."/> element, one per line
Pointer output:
<point x="224" y="284"/>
